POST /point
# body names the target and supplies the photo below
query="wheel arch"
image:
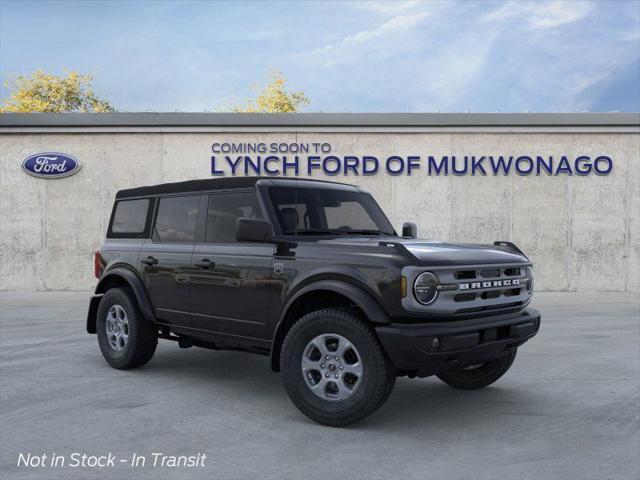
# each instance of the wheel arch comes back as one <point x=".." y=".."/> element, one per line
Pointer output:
<point x="119" y="277"/>
<point x="323" y="294"/>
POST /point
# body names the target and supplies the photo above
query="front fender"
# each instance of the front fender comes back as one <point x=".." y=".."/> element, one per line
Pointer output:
<point x="341" y="273"/>
<point x="361" y="298"/>
<point x="357" y="294"/>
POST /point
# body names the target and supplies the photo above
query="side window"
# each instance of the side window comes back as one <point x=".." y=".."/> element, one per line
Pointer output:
<point x="224" y="210"/>
<point x="130" y="217"/>
<point x="176" y="219"/>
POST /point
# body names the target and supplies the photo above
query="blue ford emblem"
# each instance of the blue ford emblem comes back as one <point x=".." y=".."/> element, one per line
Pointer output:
<point x="50" y="165"/>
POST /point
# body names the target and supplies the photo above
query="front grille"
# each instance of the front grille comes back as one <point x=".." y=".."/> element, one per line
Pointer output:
<point x="490" y="288"/>
<point x="514" y="292"/>
<point x="490" y="273"/>
<point x="465" y="274"/>
<point x="464" y="297"/>
<point x="491" y="294"/>
<point x="479" y="290"/>
<point x="488" y="295"/>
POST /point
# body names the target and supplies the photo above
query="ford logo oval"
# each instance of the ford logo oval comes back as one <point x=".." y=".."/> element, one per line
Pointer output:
<point x="50" y="165"/>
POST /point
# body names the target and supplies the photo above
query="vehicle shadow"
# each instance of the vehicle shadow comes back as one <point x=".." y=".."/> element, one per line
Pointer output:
<point x="427" y="401"/>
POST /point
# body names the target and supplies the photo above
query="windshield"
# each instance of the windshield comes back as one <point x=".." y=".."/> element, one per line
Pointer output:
<point x="324" y="211"/>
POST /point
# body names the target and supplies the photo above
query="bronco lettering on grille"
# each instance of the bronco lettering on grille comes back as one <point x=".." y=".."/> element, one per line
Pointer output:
<point x="489" y="284"/>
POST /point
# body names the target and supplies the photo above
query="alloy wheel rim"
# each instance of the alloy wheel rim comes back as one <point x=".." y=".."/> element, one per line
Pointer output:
<point x="332" y="367"/>
<point x="117" y="328"/>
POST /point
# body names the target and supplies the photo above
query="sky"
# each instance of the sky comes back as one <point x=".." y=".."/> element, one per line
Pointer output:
<point x="351" y="56"/>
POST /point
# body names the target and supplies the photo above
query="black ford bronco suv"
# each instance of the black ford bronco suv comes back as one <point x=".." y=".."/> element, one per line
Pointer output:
<point x="312" y="274"/>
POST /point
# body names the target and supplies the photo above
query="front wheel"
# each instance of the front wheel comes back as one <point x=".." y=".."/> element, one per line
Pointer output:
<point x="480" y="375"/>
<point x="334" y="369"/>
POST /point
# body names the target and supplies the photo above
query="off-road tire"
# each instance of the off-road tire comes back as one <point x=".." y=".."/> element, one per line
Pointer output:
<point x="378" y="377"/>
<point x="481" y="376"/>
<point x="142" y="334"/>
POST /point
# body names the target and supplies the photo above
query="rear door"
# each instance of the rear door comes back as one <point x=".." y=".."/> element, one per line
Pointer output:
<point x="165" y="259"/>
<point x="231" y="281"/>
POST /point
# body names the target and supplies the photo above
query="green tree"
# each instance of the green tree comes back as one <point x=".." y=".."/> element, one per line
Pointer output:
<point x="44" y="92"/>
<point x="274" y="98"/>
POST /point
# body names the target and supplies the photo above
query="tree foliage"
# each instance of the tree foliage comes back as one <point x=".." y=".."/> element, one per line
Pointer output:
<point x="274" y="98"/>
<point x="44" y="92"/>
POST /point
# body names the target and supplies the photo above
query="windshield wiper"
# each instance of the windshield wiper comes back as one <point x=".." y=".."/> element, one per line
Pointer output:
<point x="315" y="231"/>
<point x="363" y="232"/>
<point x="319" y="231"/>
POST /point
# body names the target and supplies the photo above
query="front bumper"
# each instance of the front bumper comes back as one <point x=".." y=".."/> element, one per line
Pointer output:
<point x="428" y="348"/>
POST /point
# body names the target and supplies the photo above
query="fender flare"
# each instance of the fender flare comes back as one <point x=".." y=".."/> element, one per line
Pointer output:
<point x="358" y="295"/>
<point x="134" y="282"/>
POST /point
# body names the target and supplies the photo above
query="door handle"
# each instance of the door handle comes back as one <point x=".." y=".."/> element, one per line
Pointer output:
<point x="205" y="263"/>
<point x="149" y="260"/>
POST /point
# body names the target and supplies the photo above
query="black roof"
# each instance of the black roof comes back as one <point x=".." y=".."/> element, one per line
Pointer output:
<point x="222" y="183"/>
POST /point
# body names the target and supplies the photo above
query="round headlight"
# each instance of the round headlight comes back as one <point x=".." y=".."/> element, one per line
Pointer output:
<point x="529" y="279"/>
<point x="425" y="288"/>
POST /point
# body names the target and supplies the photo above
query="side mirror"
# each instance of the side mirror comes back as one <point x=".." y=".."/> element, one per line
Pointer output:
<point x="253" y="230"/>
<point x="409" y="230"/>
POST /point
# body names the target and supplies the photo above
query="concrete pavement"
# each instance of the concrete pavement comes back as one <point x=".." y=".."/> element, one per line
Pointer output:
<point x="569" y="408"/>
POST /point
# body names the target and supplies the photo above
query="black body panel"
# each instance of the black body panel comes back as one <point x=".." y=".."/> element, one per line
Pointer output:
<point x="245" y="295"/>
<point x="231" y="294"/>
<point x="168" y="281"/>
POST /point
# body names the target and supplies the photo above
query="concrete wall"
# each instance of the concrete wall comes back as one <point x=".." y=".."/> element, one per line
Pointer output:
<point x="582" y="233"/>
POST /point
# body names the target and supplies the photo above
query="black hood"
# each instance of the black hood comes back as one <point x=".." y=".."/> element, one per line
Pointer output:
<point x="436" y="253"/>
<point x="442" y="253"/>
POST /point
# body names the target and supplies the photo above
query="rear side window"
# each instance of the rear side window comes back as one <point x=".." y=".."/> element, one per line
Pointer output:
<point x="223" y="212"/>
<point x="176" y="219"/>
<point x="130" y="217"/>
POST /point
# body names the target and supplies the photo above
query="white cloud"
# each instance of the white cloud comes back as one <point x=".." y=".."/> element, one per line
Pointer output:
<point x="630" y="36"/>
<point x="446" y="70"/>
<point x="505" y="12"/>
<point x="450" y="75"/>
<point x="401" y="23"/>
<point x="580" y="91"/>
<point x="496" y="58"/>
<point x="388" y="7"/>
<point x="541" y="15"/>
<point x="556" y="13"/>
<point x="383" y="39"/>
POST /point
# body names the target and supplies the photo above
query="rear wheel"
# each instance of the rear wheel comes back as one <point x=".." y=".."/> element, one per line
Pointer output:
<point x="126" y="339"/>
<point x="480" y="375"/>
<point x="334" y="369"/>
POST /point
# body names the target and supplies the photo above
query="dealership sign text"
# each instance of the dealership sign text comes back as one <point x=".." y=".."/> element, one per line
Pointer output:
<point x="293" y="159"/>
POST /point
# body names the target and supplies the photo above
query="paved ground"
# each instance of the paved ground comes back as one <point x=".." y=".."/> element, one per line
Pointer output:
<point x="568" y="409"/>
